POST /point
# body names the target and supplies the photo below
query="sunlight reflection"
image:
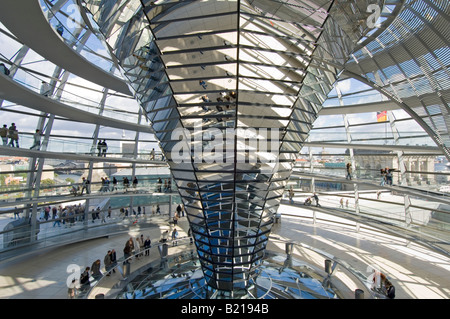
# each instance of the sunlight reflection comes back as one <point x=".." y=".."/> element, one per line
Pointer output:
<point x="11" y="286"/>
<point x="424" y="254"/>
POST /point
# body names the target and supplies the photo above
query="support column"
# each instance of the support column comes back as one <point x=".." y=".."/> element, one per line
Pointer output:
<point x="135" y="155"/>
<point x="401" y="166"/>
<point x="37" y="163"/>
<point x="351" y="154"/>
<point x="313" y="187"/>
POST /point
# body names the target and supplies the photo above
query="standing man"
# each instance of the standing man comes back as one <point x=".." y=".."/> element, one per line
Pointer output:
<point x="174" y="237"/>
<point x="99" y="148"/>
<point x="85" y="279"/>
<point x="152" y="155"/>
<point x="13" y="135"/>
<point x="291" y="194"/>
<point x="37" y="140"/>
<point x="104" y="148"/>
<point x="107" y="262"/>
<point x="317" y="199"/>
<point x="85" y="186"/>
<point x="159" y="185"/>
<point x="45" y="89"/>
<point x="4" y="134"/>
<point x="349" y="171"/>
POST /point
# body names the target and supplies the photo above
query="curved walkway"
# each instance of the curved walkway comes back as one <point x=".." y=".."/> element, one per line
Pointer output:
<point x="14" y="92"/>
<point x="32" y="28"/>
<point x="359" y="108"/>
<point x="399" y="189"/>
<point x="419" y="149"/>
<point x="146" y="191"/>
<point x="24" y="152"/>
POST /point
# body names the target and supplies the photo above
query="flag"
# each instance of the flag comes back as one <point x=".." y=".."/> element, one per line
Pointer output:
<point x="382" y="116"/>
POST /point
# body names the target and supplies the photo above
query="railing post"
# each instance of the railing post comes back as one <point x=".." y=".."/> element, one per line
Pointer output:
<point x="126" y="269"/>
<point x="163" y="250"/>
<point x="359" y="294"/>
<point x="328" y="266"/>
<point x="289" y="248"/>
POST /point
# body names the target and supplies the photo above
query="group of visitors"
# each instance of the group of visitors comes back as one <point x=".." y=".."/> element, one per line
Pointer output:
<point x="10" y="133"/>
<point x="156" y="210"/>
<point x="167" y="185"/>
<point x="134" y="246"/>
<point x="309" y="200"/>
<point x="105" y="185"/>
<point x="386" y="176"/>
<point x="341" y="203"/>
<point x="173" y="235"/>
<point x="94" y="272"/>
<point x="224" y="100"/>
<point x="178" y="214"/>
<point x="126" y="183"/>
<point x="137" y="247"/>
<point x="124" y="212"/>
<point x="66" y="216"/>
<point x="102" y="147"/>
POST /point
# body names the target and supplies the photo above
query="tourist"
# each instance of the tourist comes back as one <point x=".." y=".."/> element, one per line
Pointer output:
<point x="36" y="140"/>
<point x="349" y="171"/>
<point x="4" y="134"/>
<point x="13" y="135"/>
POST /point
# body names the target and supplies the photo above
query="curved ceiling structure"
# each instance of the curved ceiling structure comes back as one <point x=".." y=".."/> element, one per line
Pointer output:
<point x="408" y="62"/>
<point x="244" y="99"/>
<point x="33" y="29"/>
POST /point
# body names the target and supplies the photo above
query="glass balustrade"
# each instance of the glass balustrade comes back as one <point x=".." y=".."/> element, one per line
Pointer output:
<point x="432" y="180"/>
<point x="76" y="146"/>
<point x="15" y="191"/>
<point x="65" y="220"/>
<point x="379" y="138"/>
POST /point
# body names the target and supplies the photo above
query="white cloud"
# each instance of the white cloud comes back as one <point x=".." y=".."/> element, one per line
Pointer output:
<point x="344" y="86"/>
